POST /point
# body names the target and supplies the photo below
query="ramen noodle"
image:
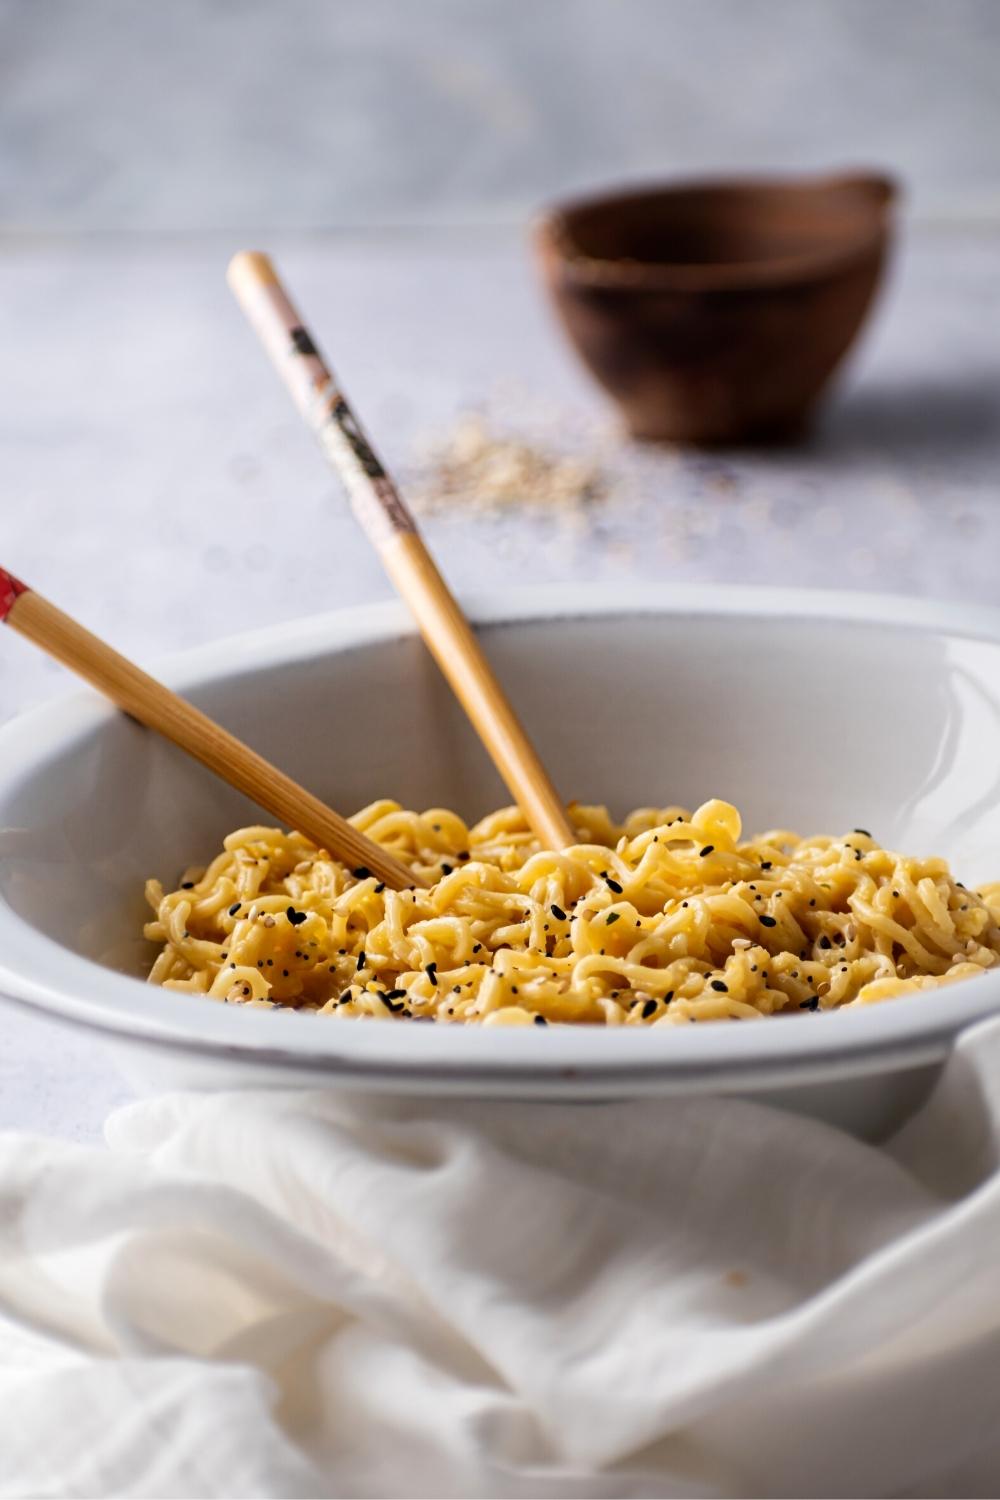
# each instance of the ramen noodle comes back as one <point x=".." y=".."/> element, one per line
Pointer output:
<point x="666" y="919"/>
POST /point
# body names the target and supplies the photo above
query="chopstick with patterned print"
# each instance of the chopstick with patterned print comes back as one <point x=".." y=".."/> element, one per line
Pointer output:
<point x="158" y="708"/>
<point x="390" y="527"/>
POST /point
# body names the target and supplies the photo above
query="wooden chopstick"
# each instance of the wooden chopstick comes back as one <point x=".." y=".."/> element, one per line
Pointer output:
<point x="391" y="528"/>
<point x="158" y="708"/>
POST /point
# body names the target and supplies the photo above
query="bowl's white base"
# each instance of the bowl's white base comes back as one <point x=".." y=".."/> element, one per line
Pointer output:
<point x="869" y="1107"/>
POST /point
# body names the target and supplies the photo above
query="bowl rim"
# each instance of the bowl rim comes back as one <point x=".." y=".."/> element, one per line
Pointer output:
<point x="37" y="971"/>
<point x="555" y="240"/>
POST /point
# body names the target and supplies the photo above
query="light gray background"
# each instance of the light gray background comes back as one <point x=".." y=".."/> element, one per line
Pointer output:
<point x="155" y="480"/>
<point x="320" y="114"/>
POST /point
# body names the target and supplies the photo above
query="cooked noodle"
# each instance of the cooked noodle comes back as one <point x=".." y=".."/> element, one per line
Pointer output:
<point x="668" y="918"/>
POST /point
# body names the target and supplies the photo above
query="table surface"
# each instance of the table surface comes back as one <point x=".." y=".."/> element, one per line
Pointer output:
<point x="161" y="488"/>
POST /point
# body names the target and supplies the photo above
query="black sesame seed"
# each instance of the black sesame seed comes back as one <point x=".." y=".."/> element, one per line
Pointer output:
<point x="361" y="873"/>
<point x="765" y="864"/>
<point x="361" y="959"/>
<point x="813" y="1002"/>
<point x="380" y="888"/>
<point x="447" y="868"/>
<point x="558" y="913"/>
<point x="824" y="942"/>
<point x="766" y="921"/>
<point x="612" y="917"/>
<point x="284" y="972"/>
<point x="463" y="855"/>
<point x="721" y="986"/>
<point x="648" y="1009"/>
<point x="295" y="917"/>
<point x="612" y="885"/>
<point x="395" y="995"/>
<point x="540" y="1021"/>
<point x="864" y="831"/>
<point x="431" y="972"/>
<point x="187" y="885"/>
<point x="234" y="908"/>
<point x="708" y="849"/>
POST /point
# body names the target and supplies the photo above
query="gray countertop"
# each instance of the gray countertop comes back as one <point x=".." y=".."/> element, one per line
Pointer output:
<point x="159" y="486"/>
<point x="119" y="117"/>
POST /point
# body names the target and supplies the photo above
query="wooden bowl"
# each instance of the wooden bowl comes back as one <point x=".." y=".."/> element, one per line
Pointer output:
<point x="716" y="312"/>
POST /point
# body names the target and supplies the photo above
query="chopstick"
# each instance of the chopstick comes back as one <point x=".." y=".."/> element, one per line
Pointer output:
<point x="158" y="708"/>
<point x="392" y="530"/>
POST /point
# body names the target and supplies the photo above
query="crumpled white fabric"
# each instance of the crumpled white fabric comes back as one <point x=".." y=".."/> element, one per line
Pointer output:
<point x="297" y="1294"/>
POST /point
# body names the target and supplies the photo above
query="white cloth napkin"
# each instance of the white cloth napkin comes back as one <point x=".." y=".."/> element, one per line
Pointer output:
<point x="295" y="1294"/>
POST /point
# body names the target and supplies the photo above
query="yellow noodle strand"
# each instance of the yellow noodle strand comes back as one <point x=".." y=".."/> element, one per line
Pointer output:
<point x="665" y="919"/>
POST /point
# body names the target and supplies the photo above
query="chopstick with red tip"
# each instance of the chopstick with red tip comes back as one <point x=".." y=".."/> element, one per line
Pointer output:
<point x="158" y="708"/>
<point x="390" y="527"/>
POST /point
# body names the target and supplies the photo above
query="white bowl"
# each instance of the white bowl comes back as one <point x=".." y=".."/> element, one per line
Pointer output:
<point x="811" y="711"/>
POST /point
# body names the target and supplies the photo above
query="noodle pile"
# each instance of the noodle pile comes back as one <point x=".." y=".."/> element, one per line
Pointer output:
<point x="668" y="918"/>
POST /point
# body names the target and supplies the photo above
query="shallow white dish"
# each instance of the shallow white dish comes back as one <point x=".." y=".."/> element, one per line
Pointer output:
<point x="810" y="711"/>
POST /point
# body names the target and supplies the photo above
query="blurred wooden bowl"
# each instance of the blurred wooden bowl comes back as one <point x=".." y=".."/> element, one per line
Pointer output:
<point x="716" y="312"/>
